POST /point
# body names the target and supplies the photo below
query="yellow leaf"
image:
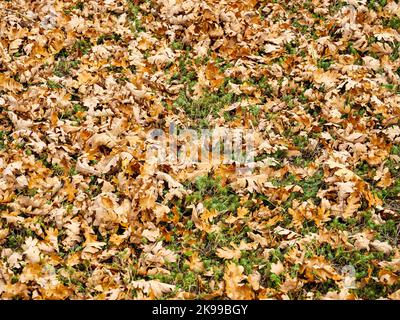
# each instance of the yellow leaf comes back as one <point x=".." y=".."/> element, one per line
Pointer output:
<point x="242" y="212"/>
<point x="209" y="215"/>
<point x="9" y="84"/>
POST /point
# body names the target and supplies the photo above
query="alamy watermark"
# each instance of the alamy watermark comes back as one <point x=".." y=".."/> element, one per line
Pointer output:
<point x="348" y="273"/>
<point x="219" y="145"/>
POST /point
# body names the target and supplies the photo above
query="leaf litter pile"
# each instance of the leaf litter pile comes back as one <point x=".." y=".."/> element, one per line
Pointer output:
<point x="85" y="215"/>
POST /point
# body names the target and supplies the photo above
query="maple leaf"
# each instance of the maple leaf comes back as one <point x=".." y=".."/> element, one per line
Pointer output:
<point x="226" y="253"/>
<point x="381" y="246"/>
<point x="386" y="179"/>
<point x="234" y="287"/>
<point x="151" y="235"/>
<point x="343" y="294"/>
<point x="352" y="205"/>
<point x="395" y="295"/>
<point x="242" y="212"/>
<point x="362" y="242"/>
<point x="14" y="260"/>
<point x="254" y="280"/>
<point x="7" y="83"/>
<point x="328" y="78"/>
<point x="277" y="268"/>
<point x="209" y="215"/>
<point x="345" y="188"/>
<point x="318" y="269"/>
<point x="31" y="250"/>
<point x="92" y="248"/>
<point x="195" y="263"/>
<point x="154" y="287"/>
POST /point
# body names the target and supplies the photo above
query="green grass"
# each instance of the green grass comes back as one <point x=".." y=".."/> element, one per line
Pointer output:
<point x="78" y="6"/>
<point x="209" y="104"/>
<point x="177" y="45"/>
<point x="17" y="235"/>
<point x="133" y="13"/>
<point x="53" y="85"/>
<point x="186" y="279"/>
<point x="106" y="37"/>
<point x="376" y="5"/>
<point x="393" y="22"/>
<point x="82" y="46"/>
<point x="310" y="185"/>
<point x="3" y="139"/>
<point x="212" y="194"/>
<point x="390" y="193"/>
<point x="25" y="191"/>
<point x="324" y="63"/>
<point x="300" y="141"/>
<point x="63" y="53"/>
<point x="362" y="262"/>
<point x="77" y="114"/>
<point x="63" y="68"/>
<point x="395" y="45"/>
<point x="291" y="47"/>
<point x="57" y="169"/>
<point x="335" y="6"/>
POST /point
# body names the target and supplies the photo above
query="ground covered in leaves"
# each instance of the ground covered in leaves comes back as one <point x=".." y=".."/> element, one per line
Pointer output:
<point x="84" y="214"/>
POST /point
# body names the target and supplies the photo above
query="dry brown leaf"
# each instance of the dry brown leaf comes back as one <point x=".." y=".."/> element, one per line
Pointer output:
<point x="234" y="286"/>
